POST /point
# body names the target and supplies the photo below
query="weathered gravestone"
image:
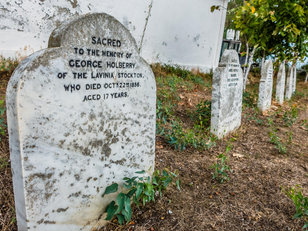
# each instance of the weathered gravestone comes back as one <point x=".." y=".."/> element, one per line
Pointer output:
<point x="227" y="94"/>
<point x="294" y="80"/>
<point x="289" y="84"/>
<point x="266" y="86"/>
<point x="281" y="79"/>
<point x="81" y="116"/>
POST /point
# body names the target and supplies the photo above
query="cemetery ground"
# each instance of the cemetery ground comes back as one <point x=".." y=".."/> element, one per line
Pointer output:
<point x="269" y="151"/>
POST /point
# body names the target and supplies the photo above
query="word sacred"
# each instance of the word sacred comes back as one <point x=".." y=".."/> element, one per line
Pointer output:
<point x="106" y="41"/>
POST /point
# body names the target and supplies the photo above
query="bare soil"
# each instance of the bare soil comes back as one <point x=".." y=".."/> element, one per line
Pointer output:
<point x="251" y="200"/>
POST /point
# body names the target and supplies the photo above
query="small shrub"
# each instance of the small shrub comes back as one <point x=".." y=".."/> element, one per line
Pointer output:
<point x="221" y="167"/>
<point x="300" y="202"/>
<point x="289" y="117"/>
<point x="275" y="139"/>
<point x="139" y="189"/>
<point x="203" y="114"/>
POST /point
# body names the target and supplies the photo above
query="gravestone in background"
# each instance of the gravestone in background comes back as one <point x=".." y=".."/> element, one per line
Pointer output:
<point x="266" y="86"/>
<point x="81" y="115"/>
<point x="281" y="79"/>
<point x="294" y="80"/>
<point x="289" y="84"/>
<point x="227" y="94"/>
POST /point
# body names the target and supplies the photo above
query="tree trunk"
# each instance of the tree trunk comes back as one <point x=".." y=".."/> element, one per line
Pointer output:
<point x="246" y="58"/>
<point x="306" y="77"/>
<point x="249" y="66"/>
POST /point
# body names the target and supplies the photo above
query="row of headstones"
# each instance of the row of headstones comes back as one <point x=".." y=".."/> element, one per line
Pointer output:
<point x="227" y="91"/>
<point x="81" y="115"/>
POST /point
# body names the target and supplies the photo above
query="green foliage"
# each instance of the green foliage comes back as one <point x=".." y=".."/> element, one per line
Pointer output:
<point x="3" y="163"/>
<point x="300" y="202"/>
<point x="2" y="123"/>
<point x="138" y="190"/>
<point x="275" y="139"/>
<point x="276" y="27"/>
<point x="181" y="138"/>
<point x="221" y="167"/>
<point x="169" y="125"/>
<point x="254" y="116"/>
<point x="289" y="117"/>
<point x="203" y="114"/>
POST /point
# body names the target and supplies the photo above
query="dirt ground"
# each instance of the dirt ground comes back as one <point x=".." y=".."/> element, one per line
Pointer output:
<point x="251" y="200"/>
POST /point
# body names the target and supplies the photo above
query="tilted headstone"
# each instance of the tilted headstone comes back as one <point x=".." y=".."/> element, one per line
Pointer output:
<point x="294" y="80"/>
<point x="266" y="86"/>
<point x="227" y="94"/>
<point x="281" y="79"/>
<point x="81" y="115"/>
<point x="289" y="84"/>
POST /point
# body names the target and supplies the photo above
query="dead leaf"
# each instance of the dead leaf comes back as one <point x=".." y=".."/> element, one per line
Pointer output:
<point x="238" y="155"/>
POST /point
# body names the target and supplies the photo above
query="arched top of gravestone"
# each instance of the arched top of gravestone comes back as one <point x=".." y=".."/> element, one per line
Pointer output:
<point x="98" y="29"/>
<point x="268" y="66"/>
<point x="229" y="56"/>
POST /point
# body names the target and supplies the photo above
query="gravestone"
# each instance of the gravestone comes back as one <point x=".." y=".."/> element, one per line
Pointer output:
<point x="81" y="115"/>
<point x="266" y="86"/>
<point x="227" y="94"/>
<point x="281" y="79"/>
<point x="289" y="84"/>
<point x="294" y="80"/>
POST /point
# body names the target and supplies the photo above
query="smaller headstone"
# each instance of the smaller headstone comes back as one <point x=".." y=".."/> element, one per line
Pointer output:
<point x="237" y="35"/>
<point x="289" y="84"/>
<point x="281" y="79"/>
<point x="266" y="86"/>
<point x="230" y="34"/>
<point x="306" y="79"/>
<point x="227" y="94"/>
<point x="294" y="80"/>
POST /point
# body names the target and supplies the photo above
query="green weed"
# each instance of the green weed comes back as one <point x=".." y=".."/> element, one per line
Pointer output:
<point x="289" y="117"/>
<point x="138" y="190"/>
<point x="300" y="202"/>
<point x="221" y="167"/>
<point x="275" y="139"/>
<point x="3" y="163"/>
<point x="203" y="114"/>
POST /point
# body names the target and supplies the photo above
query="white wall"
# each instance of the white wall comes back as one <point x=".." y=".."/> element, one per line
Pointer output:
<point x="182" y="32"/>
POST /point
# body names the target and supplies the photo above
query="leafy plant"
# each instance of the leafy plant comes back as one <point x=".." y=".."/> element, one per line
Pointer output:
<point x="138" y="190"/>
<point x="275" y="139"/>
<point x="289" y="117"/>
<point x="203" y="114"/>
<point x="221" y="167"/>
<point x="300" y="202"/>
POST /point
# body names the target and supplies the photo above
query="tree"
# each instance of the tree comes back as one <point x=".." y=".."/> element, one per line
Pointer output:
<point x="275" y="27"/>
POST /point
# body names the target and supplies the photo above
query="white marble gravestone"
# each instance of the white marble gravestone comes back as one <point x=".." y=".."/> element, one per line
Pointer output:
<point x="281" y="79"/>
<point x="81" y="115"/>
<point x="227" y="94"/>
<point x="266" y="86"/>
<point x="294" y="80"/>
<point x="289" y="85"/>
